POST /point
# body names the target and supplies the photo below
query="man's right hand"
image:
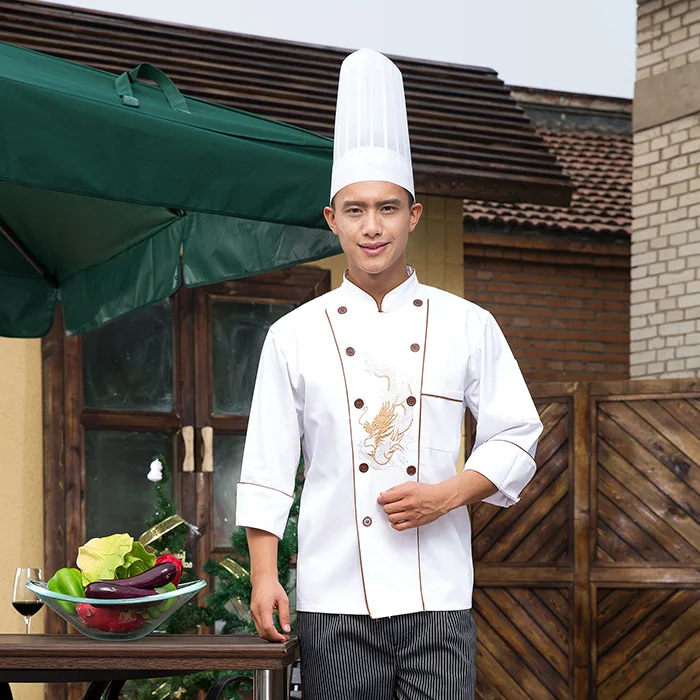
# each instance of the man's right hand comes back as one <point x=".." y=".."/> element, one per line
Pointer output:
<point x="269" y="595"/>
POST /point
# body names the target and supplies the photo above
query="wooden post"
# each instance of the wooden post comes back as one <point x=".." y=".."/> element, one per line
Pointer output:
<point x="583" y="686"/>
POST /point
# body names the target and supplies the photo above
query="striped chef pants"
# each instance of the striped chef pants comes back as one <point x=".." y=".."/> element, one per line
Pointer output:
<point x="419" y="656"/>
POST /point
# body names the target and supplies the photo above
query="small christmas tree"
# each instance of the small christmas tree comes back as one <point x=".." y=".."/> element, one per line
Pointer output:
<point x="170" y="533"/>
<point x="227" y="605"/>
<point x="233" y="590"/>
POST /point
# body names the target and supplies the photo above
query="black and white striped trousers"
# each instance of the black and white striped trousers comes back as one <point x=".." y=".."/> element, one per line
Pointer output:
<point x="420" y="656"/>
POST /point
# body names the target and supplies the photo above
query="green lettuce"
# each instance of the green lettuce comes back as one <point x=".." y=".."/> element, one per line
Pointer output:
<point x="116" y="556"/>
<point x="136" y="562"/>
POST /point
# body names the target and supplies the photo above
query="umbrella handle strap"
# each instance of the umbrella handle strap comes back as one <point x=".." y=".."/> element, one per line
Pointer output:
<point x="145" y="70"/>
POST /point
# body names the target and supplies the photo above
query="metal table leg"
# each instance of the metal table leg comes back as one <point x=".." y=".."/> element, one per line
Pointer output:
<point x="217" y="690"/>
<point x="271" y="685"/>
<point x="95" y="690"/>
<point x="114" y="689"/>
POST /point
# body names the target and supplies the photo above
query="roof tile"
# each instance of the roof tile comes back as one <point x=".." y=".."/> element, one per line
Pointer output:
<point x="600" y="166"/>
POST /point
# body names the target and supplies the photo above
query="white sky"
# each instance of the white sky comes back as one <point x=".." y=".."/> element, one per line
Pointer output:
<point x="583" y="46"/>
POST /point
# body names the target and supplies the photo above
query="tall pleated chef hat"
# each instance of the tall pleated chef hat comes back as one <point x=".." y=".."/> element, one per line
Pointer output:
<point x="371" y="125"/>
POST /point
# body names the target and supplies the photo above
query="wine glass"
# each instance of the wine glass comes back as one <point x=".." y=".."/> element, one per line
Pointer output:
<point x="24" y="601"/>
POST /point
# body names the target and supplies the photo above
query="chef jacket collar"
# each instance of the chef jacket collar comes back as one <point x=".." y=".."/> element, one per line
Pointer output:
<point x="405" y="292"/>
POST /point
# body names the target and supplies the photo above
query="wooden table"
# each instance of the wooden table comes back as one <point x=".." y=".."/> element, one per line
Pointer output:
<point x="40" y="658"/>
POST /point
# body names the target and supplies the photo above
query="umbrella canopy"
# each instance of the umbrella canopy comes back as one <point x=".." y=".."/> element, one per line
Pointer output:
<point x="114" y="192"/>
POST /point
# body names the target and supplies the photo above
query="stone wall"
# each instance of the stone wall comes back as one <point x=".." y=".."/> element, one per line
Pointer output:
<point x="665" y="284"/>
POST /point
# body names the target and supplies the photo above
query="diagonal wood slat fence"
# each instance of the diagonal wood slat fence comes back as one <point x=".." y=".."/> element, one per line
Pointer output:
<point x="589" y="588"/>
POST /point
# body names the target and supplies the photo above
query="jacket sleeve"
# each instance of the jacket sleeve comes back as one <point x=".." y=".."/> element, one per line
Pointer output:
<point x="272" y="448"/>
<point x="508" y="425"/>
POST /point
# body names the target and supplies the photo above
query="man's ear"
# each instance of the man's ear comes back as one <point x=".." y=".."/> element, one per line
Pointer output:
<point x="329" y="214"/>
<point x="416" y="211"/>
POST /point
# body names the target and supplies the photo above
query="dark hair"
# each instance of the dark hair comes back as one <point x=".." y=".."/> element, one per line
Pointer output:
<point x="411" y="199"/>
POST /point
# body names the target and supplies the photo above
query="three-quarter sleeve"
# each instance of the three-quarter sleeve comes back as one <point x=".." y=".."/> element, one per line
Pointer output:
<point x="508" y="425"/>
<point x="272" y="448"/>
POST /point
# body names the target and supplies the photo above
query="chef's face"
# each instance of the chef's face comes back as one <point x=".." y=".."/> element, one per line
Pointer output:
<point x="372" y="221"/>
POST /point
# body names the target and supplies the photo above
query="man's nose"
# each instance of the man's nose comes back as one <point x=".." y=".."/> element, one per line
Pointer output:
<point x="372" y="224"/>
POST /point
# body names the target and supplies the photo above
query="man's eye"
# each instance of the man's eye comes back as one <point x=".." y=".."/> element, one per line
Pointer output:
<point x="388" y="209"/>
<point x="354" y="210"/>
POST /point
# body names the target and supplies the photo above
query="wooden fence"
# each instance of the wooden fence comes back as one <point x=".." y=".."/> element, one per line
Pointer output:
<point x="590" y="586"/>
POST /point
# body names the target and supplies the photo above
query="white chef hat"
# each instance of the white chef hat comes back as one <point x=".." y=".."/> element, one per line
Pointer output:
<point x="371" y="126"/>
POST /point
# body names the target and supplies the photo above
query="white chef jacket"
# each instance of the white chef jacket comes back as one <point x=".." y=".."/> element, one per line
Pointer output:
<point x="376" y="397"/>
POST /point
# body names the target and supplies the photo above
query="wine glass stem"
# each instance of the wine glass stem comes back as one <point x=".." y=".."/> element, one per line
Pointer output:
<point x="27" y="620"/>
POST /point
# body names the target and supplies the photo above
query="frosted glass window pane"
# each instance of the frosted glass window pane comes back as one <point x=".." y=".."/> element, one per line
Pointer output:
<point x="118" y="496"/>
<point x="228" y="455"/>
<point x="239" y="330"/>
<point x="128" y="364"/>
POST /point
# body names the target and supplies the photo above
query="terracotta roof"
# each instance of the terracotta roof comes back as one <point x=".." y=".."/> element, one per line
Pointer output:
<point x="600" y="166"/>
<point x="470" y="138"/>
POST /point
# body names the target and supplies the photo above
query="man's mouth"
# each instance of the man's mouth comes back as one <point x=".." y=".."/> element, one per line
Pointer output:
<point x="374" y="248"/>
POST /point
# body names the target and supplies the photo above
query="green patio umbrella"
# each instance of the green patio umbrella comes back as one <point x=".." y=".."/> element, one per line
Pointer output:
<point x="114" y="192"/>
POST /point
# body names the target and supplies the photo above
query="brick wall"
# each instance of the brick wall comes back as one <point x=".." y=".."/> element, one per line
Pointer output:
<point x="665" y="285"/>
<point x="668" y="36"/>
<point x="563" y="305"/>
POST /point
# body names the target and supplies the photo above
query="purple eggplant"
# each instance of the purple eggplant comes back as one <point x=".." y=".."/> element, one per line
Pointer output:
<point x="110" y="590"/>
<point x="157" y="576"/>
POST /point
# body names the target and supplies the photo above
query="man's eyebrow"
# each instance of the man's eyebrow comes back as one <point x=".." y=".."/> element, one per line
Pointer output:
<point x="357" y="203"/>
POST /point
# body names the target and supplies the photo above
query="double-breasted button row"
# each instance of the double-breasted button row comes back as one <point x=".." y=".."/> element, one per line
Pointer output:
<point x="359" y="403"/>
<point x="364" y="467"/>
<point x="367" y="521"/>
<point x="350" y="351"/>
<point x="344" y="309"/>
<point x="411" y="400"/>
<point x="411" y="471"/>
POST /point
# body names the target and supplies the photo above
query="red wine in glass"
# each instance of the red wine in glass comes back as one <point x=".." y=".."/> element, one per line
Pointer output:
<point x="24" y="601"/>
<point x="27" y="609"/>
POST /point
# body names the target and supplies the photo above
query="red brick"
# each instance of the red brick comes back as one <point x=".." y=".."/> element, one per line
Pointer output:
<point x="564" y="320"/>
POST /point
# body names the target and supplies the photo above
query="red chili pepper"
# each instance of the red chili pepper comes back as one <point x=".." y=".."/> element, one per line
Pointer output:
<point x="173" y="560"/>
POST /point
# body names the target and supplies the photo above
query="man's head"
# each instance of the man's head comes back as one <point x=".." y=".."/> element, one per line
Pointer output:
<point x="372" y="221"/>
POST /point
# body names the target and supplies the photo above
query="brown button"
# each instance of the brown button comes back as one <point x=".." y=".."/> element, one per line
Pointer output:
<point x="367" y="522"/>
<point x="349" y="351"/>
<point x="411" y="400"/>
<point x="342" y="309"/>
<point x="359" y="403"/>
<point x="415" y="347"/>
<point x="417" y="302"/>
<point x="364" y="467"/>
<point x="411" y="471"/>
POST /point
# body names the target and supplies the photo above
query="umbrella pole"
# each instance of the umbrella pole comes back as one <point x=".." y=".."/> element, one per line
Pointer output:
<point x="27" y="254"/>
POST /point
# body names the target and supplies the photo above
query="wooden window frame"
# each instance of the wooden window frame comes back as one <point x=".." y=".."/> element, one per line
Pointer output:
<point x="64" y="418"/>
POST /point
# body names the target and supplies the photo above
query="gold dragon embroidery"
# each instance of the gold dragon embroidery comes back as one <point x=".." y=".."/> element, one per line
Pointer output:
<point x="386" y="431"/>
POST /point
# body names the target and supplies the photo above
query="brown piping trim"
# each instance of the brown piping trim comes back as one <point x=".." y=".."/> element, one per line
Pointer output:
<point x="420" y="421"/>
<point x="446" y="398"/>
<point x="381" y="301"/>
<point x="352" y="449"/>
<point x="250" y="483"/>
<point x="497" y="439"/>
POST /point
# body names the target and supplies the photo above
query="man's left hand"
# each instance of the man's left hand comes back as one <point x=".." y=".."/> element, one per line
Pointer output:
<point x="414" y="504"/>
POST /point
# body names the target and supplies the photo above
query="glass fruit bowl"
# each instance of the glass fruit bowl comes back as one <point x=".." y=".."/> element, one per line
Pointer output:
<point x="121" y="619"/>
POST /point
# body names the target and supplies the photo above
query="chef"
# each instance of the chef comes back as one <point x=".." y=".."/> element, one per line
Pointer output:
<point x="371" y="382"/>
